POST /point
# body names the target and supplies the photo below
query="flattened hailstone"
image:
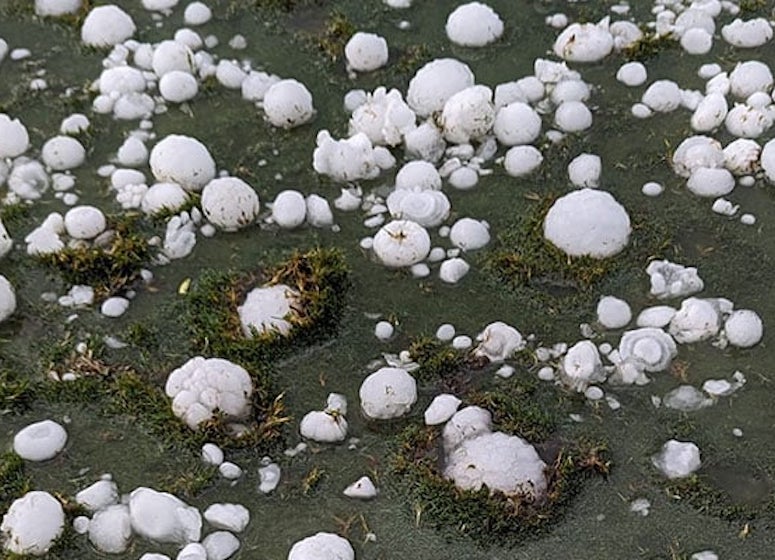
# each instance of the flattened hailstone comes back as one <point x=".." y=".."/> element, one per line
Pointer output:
<point x="473" y="25"/>
<point x="163" y="518"/>
<point x="453" y="270"/>
<point x="288" y="103"/>
<point x="85" y="222"/>
<point x="266" y="310"/>
<point x="170" y="55"/>
<point x="650" y="349"/>
<point x="657" y="316"/>
<point x="387" y="393"/>
<point x="711" y="182"/>
<point x="178" y="86"/>
<point x="749" y="77"/>
<point x="201" y="386"/>
<point x="6" y="243"/>
<point x="110" y="529"/>
<point x="56" y="8"/>
<point x="32" y="524"/>
<point x="632" y="74"/>
<point x="106" y="26"/>
<point x="289" y="209"/>
<point x="745" y="121"/>
<point x="504" y="463"/>
<point x="366" y="52"/>
<point x="662" y="96"/>
<point x="498" y="342"/>
<point x="696" y="320"/>
<point x="588" y="222"/>
<point x="441" y="409"/>
<point x="517" y="123"/>
<point x="230" y="203"/>
<point x="747" y="34"/>
<point x="468" y="115"/>
<point x="163" y="197"/>
<point x="182" y="160"/>
<point x="14" y="139"/>
<point x="99" y="495"/>
<point x="695" y="152"/>
<point x="220" y="545"/>
<point x="420" y="174"/>
<point x="573" y="116"/>
<point x="229" y="517"/>
<point x="435" y="83"/>
<point x="744" y="328"/>
<point x="401" y="243"/>
<point x="686" y="398"/>
<point x="677" y="459"/>
<point x="350" y="159"/>
<point x="323" y="426"/>
<point x="522" y="160"/>
<point x="361" y="489"/>
<point x="613" y="313"/>
<point x="197" y="13"/>
<point x="582" y="366"/>
<point x="322" y="546"/>
<point x="429" y="208"/>
<point x="7" y="299"/>
<point x="469" y="234"/>
<point x="584" y="42"/>
<point x="710" y="113"/>
<point x="40" y="441"/>
<point x="584" y="170"/>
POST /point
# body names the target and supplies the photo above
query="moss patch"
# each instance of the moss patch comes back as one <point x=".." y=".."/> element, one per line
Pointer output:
<point x="439" y="362"/>
<point x="14" y="483"/>
<point x="649" y="46"/>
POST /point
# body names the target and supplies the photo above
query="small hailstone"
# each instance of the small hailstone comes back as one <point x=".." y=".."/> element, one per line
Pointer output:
<point x="270" y="478"/>
<point x="420" y="270"/>
<point x="748" y="219"/>
<point x="229" y="470"/>
<point x="362" y="489"/>
<point x="652" y="189"/>
<point x="594" y="393"/>
<point x="81" y="524"/>
<point x="114" y="306"/>
<point x="238" y="43"/>
<point x="212" y="454"/>
<point x="453" y="270"/>
<point x="546" y="373"/>
<point x="366" y="243"/>
<point x="505" y="371"/>
<point x="737" y="432"/>
<point x="462" y="342"/>
<point x="640" y="506"/>
<point x="641" y="111"/>
<point x="383" y="330"/>
<point x="445" y="332"/>
<point x="632" y="74"/>
<point x="708" y="71"/>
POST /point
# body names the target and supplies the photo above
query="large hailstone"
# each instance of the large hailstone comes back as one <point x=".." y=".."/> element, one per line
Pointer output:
<point x="110" y="529"/>
<point x="202" y="386"/>
<point x="106" y="26"/>
<point x="499" y="341"/>
<point x="350" y="159"/>
<point x="582" y="366"/>
<point x="743" y="328"/>
<point x="401" y="243"/>
<point x="230" y="203"/>
<point x="85" y="222"/>
<point x="468" y="115"/>
<point x="40" y="441"/>
<point x="178" y="86"/>
<point x="613" y="313"/>
<point x="14" y="139"/>
<point x="32" y="524"/>
<point x="429" y="208"/>
<point x="677" y="459"/>
<point x="517" y="123"/>
<point x="266" y="310"/>
<point x="710" y="113"/>
<point x="584" y="42"/>
<point x="322" y="546"/>
<point x="573" y="116"/>
<point x="288" y="103"/>
<point x="469" y="234"/>
<point x="387" y="393"/>
<point x="171" y="56"/>
<point x="435" y="83"/>
<point x="749" y="77"/>
<point x="696" y="320"/>
<point x="741" y="156"/>
<point x="289" y="209"/>
<point x="522" y="160"/>
<point x="169" y="197"/>
<point x="56" y="8"/>
<point x="182" y="160"/>
<point x="474" y="25"/>
<point x="418" y="174"/>
<point x="365" y="52"/>
<point x="649" y="349"/>
<point x="163" y="518"/>
<point x="747" y="34"/>
<point x="695" y="152"/>
<point x="7" y="299"/>
<point x="588" y="222"/>
<point x="329" y="425"/>
<point x="384" y="117"/>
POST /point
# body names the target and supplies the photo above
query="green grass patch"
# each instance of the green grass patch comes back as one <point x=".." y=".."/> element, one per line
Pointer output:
<point x="649" y="46"/>
<point x="438" y="361"/>
<point x="14" y="482"/>
<point x="16" y="393"/>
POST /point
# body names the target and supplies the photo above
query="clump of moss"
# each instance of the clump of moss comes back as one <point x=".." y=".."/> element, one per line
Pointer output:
<point x="752" y="7"/>
<point x="438" y="361"/>
<point x="16" y="393"/>
<point x="191" y="482"/>
<point x="649" y="46"/>
<point x="15" y="215"/>
<point x="14" y="482"/>
<point x="412" y="56"/>
<point x="337" y="31"/>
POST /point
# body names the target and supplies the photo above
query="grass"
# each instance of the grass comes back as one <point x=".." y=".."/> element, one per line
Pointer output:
<point x="16" y="392"/>
<point x="438" y="361"/>
<point x="649" y="46"/>
<point x="14" y="482"/>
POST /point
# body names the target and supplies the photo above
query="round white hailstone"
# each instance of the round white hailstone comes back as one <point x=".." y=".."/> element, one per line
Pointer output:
<point x="420" y="174"/>
<point x="220" y="545"/>
<point x="163" y="197"/>
<point x="387" y="393"/>
<point x="81" y="525"/>
<point x="99" y="495"/>
<point x="435" y="83"/>
<point x="715" y="182"/>
<point x="106" y="26"/>
<point x="747" y="34"/>
<point x="401" y="243"/>
<point x="474" y="25"/>
<point x="85" y="222"/>
<point x="462" y="342"/>
<point x="212" y="454"/>
<point x="441" y="409"/>
<point x="662" y="96"/>
<point x="230" y="203"/>
<point x="61" y="153"/>
<point x="744" y="328"/>
<point x="695" y="18"/>
<point x="132" y="153"/>
<point x="133" y="106"/>
<point x="256" y="84"/>
<point x="172" y="55"/>
<point x="289" y="209"/>
<point x="650" y="349"/>
<point x="696" y="41"/>
<point x="192" y="551"/>
<point x="163" y="518"/>
<point x="40" y="441"/>
<point x="323" y="427"/>
<point x="517" y="123"/>
<point x="182" y="160"/>
<point x="201" y="386"/>
<point x="744" y="121"/>
<point x="74" y="124"/>
<point x="361" y="489"/>
<point x="504" y="463"/>
<point x="677" y="459"/>
<point x="584" y="42"/>
<point x="32" y="524"/>
<point x="710" y="113"/>
<point x="159" y="5"/>
<point x="365" y="52"/>
<point x="110" y="529"/>
<point x="288" y="103"/>
<point x="425" y="142"/>
<point x="56" y="8"/>
<point x="463" y="178"/>
<point x="7" y="299"/>
<point x="322" y="546"/>
<point x="469" y="234"/>
<point x="594" y="393"/>
<point x="229" y="517"/>
<point x="445" y="332"/>
<point x="453" y="270"/>
<point x="178" y="86"/>
<point x="696" y="320"/>
<point x="383" y="330"/>
<point x="749" y="77"/>
<point x="588" y="222"/>
<point x="708" y="71"/>
<point x="695" y="152"/>
<point x="468" y="115"/>
<point x="266" y="310"/>
<point x="384" y="117"/>
<point x="613" y="313"/>
<point x="428" y="208"/>
<point x="197" y="13"/>
<point x="573" y="116"/>
<point x="230" y="75"/>
<point x="584" y="170"/>
<point x="319" y="212"/>
<point x="641" y="111"/>
<point x="498" y="342"/>
<point x="748" y="219"/>
<point x="14" y="139"/>
<point x="581" y="365"/>
<point x="114" y="306"/>
<point x="522" y="160"/>
<point x="570" y="90"/>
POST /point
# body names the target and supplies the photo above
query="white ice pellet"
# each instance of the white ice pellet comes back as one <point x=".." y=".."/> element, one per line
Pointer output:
<point x="383" y="330"/>
<point x="462" y="342"/>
